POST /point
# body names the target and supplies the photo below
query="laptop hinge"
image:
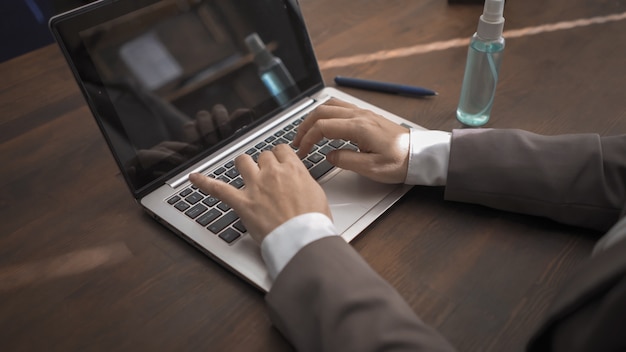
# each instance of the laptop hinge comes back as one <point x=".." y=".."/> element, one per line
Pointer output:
<point x="298" y="108"/>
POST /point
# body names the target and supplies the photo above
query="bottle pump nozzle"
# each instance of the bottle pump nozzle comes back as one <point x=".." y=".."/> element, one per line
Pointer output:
<point x="491" y="21"/>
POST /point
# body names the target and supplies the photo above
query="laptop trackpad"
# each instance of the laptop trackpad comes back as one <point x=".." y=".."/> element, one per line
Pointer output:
<point x="351" y="196"/>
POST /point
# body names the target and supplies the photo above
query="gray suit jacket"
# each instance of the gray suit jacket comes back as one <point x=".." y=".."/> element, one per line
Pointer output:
<point x="340" y="304"/>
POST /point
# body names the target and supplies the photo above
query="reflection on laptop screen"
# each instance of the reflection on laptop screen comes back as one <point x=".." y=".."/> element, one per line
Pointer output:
<point x="176" y="79"/>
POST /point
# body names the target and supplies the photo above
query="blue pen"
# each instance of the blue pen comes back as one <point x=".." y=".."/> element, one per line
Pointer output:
<point x="384" y="87"/>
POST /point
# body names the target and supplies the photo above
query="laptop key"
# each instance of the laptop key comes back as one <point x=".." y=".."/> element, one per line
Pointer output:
<point x="240" y="227"/>
<point x="232" y="173"/>
<point x="173" y="200"/>
<point x="229" y="235"/>
<point x="203" y="192"/>
<point x="182" y="206"/>
<point x="224" y="207"/>
<point x="315" y="158"/>
<point x="210" y="201"/>
<point x="321" y="142"/>
<point x="238" y="182"/>
<point x="208" y="217"/>
<point x="222" y="222"/>
<point x="280" y="141"/>
<point x="325" y="149"/>
<point x="320" y="169"/>
<point x="336" y="143"/>
<point x="186" y="192"/>
<point x="194" y="198"/>
<point x="195" y="211"/>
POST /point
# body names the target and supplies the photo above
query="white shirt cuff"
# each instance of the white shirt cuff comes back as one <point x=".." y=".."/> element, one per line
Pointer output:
<point x="286" y="240"/>
<point x="429" y="155"/>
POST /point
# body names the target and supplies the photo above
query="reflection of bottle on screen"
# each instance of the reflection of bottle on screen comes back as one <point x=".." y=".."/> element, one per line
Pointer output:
<point x="272" y="71"/>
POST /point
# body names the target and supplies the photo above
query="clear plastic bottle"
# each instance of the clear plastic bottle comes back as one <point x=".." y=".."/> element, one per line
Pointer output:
<point x="272" y="71"/>
<point x="483" y="66"/>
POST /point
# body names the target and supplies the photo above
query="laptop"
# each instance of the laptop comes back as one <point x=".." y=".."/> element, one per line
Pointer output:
<point x="182" y="86"/>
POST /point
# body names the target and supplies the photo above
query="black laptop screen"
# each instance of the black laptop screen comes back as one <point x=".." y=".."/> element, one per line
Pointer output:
<point x="171" y="81"/>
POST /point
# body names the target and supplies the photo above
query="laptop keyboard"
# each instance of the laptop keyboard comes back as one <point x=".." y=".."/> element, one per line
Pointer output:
<point x="216" y="216"/>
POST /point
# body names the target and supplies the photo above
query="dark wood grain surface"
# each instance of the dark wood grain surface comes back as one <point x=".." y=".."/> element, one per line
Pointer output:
<point x="83" y="269"/>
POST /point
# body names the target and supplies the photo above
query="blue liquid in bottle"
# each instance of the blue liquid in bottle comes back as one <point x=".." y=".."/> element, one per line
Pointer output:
<point x="482" y="67"/>
<point x="480" y="81"/>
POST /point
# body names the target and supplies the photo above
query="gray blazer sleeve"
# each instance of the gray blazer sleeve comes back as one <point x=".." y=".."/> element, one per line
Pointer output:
<point x="329" y="299"/>
<point x="574" y="179"/>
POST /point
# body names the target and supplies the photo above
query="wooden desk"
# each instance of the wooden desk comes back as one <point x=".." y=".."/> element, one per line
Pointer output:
<point x="82" y="268"/>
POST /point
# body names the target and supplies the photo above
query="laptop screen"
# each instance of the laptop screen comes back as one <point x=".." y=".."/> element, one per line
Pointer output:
<point x="171" y="81"/>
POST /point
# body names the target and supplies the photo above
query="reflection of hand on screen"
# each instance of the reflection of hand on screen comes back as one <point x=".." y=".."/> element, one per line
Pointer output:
<point x="208" y="128"/>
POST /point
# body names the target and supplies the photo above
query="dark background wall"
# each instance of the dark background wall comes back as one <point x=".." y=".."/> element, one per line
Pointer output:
<point x="24" y="24"/>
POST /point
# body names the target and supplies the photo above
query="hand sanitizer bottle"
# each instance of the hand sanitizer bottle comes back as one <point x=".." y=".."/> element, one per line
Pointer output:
<point x="272" y="71"/>
<point x="482" y="67"/>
